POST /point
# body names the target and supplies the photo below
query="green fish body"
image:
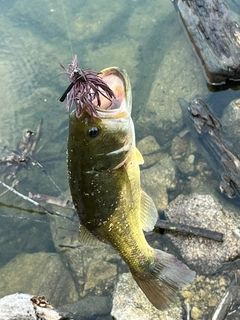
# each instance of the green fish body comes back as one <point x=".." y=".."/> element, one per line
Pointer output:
<point x="104" y="178"/>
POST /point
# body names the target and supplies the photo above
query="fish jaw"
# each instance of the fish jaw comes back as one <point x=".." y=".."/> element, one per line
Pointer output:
<point x="120" y="106"/>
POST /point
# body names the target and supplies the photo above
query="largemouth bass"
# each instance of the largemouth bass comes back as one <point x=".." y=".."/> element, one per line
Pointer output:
<point x="104" y="178"/>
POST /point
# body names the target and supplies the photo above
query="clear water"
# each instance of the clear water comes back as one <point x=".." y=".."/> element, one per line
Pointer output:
<point x="38" y="35"/>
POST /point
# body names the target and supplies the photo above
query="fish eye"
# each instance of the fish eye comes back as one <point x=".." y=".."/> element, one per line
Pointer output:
<point x="93" y="132"/>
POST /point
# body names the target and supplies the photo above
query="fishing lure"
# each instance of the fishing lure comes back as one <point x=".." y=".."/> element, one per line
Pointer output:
<point x="85" y="86"/>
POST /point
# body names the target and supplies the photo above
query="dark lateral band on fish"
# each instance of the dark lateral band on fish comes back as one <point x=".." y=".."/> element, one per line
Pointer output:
<point x="86" y="86"/>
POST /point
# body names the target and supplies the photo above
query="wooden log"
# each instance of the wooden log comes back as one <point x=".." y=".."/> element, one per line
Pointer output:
<point x="207" y="131"/>
<point x="215" y="35"/>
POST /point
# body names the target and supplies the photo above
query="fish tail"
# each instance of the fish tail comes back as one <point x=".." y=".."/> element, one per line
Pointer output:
<point x="163" y="278"/>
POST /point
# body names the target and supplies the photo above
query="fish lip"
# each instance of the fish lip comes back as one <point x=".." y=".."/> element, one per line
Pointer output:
<point x="126" y="105"/>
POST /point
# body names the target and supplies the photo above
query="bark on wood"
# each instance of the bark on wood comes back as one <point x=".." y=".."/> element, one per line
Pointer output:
<point x="215" y="35"/>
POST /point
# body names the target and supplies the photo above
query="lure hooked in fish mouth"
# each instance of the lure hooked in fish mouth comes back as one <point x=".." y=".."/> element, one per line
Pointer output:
<point x="87" y="90"/>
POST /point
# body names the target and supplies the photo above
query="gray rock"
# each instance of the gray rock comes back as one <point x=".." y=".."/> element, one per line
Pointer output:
<point x="231" y="122"/>
<point x="150" y="151"/>
<point x="183" y="152"/>
<point x="204" y="211"/>
<point x="129" y="302"/>
<point x="21" y="234"/>
<point x="214" y="297"/>
<point x="21" y="306"/>
<point x="89" y="307"/>
<point x="93" y="268"/>
<point x="17" y="306"/>
<point x="43" y="274"/>
<point x="158" y="179"/>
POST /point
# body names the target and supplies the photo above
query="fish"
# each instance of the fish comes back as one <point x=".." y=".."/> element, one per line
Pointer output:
<point x="104" y="179"/>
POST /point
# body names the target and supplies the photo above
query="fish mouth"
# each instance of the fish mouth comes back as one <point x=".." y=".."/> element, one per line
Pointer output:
<point x="120" y="105"/>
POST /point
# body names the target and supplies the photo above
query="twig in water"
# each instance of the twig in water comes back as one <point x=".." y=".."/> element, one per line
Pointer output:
<point x="14" y="184"/>
<point x="213" y="235"/>
<point x="188" y="311"/>
<point x="70" y="246"/>
<point x="63" y="203"/>
<point x="38" y="164"/>
<point x="46" y="210"/>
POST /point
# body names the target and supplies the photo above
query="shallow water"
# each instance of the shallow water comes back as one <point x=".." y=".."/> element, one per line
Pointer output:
<point x="37" y="36"/>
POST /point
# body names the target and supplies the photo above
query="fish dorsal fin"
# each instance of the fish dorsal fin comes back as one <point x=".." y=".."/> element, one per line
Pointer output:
<point x="149" y="213"/>
<point x="139" y="156"/>
<point x="85" y="237"/>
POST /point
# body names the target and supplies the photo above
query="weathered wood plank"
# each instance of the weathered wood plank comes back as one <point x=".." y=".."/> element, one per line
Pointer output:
<point x="215" y="35"/>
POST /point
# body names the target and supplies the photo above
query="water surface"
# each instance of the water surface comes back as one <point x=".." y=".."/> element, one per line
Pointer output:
<point x="35" y="37"/>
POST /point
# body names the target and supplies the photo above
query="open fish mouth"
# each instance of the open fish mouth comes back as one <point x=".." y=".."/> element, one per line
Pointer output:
<point x="120" y="105"/>
<point x="102" y="94"/>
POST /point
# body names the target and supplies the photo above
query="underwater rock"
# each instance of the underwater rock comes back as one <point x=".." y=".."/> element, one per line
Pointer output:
<point x="17" y="306"/>
<point x="183" y="152"/>
<point x="41" y="273"/>
<point x="21" y="306"/>
<point x="158" y="179"/>
<point x="94" y="268"/>
<point x="231" y="122"/>
<point x="214" y="297"/>
<point x="214" y="33"/>
<point x="21" y="235"/>
<point x="150" y="150"/>
<point x="176" y="74"/>
<point x="130" y="303"/>
<point x="204" y="211"/>
<point x="90" y="307"/>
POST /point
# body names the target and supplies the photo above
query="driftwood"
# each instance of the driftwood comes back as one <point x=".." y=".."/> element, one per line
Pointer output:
<point x="207" y="131"/>
<point x="177" y="227"/>
<point x="35" y="203"/>
<point x="64" y="203"/>
<point x="21" y="157"/>
<point x="215" y="35"/>
<point x="229" y="303"/>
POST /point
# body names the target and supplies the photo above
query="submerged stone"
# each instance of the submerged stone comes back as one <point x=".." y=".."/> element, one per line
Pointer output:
<point x="204" y="211"/>
<point x="130" y="303"/>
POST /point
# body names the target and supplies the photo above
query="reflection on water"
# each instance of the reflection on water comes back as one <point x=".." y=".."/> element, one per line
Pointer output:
<point x="147" y="40"/>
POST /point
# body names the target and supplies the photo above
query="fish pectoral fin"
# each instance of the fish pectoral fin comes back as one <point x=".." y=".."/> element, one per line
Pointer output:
<point x="87" y="238"/>
<point x="149" y="213"/>
<point x="139" y="156"/>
